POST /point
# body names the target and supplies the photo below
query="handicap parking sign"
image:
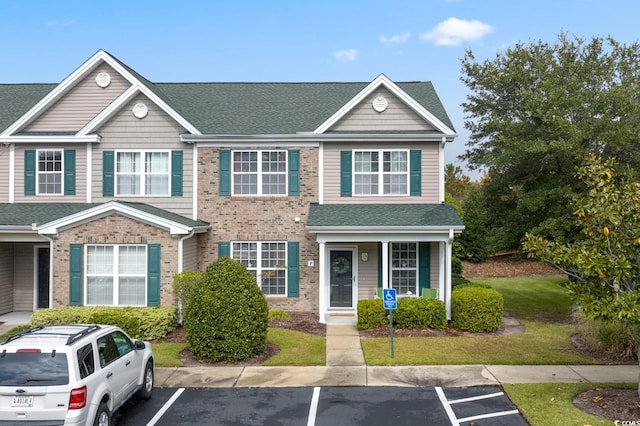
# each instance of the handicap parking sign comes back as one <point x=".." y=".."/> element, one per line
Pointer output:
<point x="389" y="299"/>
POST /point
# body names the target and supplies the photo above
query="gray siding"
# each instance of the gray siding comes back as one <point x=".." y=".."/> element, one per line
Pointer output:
<point x="81" y="175"/>
<point x="435" y="266"/>
<point x="368" y="271"/>
<point x="6" y="278"/>
<point x="190" y="254"/>
<point x="81" y="104"/>
<point x="430" y="174"/>
<point x="4" y="174"/>
<point x="156" y="131"/>
<point x="397" y="116"/>
<point x="23" y="295"/>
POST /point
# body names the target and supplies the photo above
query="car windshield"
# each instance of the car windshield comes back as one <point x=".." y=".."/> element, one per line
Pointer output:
<point x="33" y="369"/>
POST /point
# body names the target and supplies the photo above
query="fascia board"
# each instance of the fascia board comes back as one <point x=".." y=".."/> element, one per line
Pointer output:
<point x="310" y="138"/>
<point x="51" y="139"/>
<point x="396" y="91"/>
<point x="52" y="228"/>
<point x="385" y="229"/>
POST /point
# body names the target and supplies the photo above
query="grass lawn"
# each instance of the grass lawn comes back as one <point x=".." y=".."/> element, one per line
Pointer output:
<point x="534" y="301"/>
<point x="545" y="404"/>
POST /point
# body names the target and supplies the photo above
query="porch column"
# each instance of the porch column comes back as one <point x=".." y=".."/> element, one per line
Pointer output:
<point x="322" y="284"/>
<point x="385" y="264"/>
<point x="449" y="245"/>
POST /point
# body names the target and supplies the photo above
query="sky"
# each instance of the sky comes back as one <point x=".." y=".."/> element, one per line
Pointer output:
<point x="43" y="41"/>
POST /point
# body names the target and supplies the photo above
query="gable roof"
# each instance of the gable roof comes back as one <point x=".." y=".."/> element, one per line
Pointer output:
<point x="227" y="108"/>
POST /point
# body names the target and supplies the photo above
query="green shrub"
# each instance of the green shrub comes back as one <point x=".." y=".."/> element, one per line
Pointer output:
<point x="279" y="314"/>
<point x="226" y="318"/>
<point x="608" y="338"/>
<point x="371" y="314"/>
<point x="418" y="314"/>
<point x="456" y="266"/>
<point x="183" y="285"/>
<point x="139" y="322"/>
<point x="457" y="280"/>
<point x="476" y="309"/>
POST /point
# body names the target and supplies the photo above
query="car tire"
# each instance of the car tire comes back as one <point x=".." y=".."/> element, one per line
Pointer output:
<point x="103" y="416"/>
<point x="147" y="382"/>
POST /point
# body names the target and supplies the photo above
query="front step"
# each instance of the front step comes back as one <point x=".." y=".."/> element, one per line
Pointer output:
<point x="341" y="318"/>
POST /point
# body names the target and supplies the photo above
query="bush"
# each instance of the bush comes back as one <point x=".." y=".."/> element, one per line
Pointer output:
<point x="139" y="322"/>
<point x="456" y="266"/>
<point x="476" y="309"/>
<point x="278" y="314"/>
<point x="608" y="338"/>
<point x="183" y="285"/>
<point x="226" y="318"/>
<point x="418" y="313"/>
<point x="371" y="314"/>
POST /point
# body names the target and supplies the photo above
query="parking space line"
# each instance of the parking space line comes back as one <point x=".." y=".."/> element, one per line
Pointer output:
<point x="165" y="407"/>
<point x="476" y="398"/>
<point x="313" y="408"/>
<point x="489" y="415"/>
<point x="447" y="407"/>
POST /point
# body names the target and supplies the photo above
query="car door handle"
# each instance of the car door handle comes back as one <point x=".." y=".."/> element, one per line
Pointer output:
<point x="109" y="374"/>
<point x="127" y="363"/>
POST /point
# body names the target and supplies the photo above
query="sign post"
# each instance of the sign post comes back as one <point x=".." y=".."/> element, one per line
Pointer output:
<point x="390" y="302"/>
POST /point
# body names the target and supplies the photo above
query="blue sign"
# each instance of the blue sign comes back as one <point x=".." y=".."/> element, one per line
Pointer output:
<point x="389" y="299"/>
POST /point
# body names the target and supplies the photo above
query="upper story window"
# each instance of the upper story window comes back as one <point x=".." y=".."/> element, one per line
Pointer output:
<point x="381" y="172"/>
<point x="259" y="172"/>
<point x="50" y="171"/>
<point x="266" y="260"/>
<point x="143" y="173"/>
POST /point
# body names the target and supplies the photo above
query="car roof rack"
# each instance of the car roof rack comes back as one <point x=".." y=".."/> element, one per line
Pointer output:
<point x="71" y="337"/>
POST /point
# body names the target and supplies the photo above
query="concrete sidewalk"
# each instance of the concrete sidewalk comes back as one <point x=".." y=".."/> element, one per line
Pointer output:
<point x="345" y="366"/>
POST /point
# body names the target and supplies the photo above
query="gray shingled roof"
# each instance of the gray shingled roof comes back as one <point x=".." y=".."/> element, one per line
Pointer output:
<point x="238" y="108"/>
<point x="383" y="215"/>
<point x="25" y="214"/>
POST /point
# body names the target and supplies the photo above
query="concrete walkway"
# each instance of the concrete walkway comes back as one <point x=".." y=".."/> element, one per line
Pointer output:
<point x="343" y="346"/>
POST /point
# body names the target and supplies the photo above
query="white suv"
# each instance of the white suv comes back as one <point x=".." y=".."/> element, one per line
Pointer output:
<point x="71" y="374"/>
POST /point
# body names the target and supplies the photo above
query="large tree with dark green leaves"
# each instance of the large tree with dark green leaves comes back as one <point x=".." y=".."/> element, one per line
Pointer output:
<point x="535" y="112"/>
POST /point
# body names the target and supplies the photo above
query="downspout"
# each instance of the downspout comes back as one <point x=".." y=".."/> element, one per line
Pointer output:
<point x="50" y="239"/>
<point x="180" y="268"/>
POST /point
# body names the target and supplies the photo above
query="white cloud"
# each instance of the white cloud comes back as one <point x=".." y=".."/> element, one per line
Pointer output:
<point x="454" y="31"/>
<point x="401" y="38"/>
<point x="348" y="55"/>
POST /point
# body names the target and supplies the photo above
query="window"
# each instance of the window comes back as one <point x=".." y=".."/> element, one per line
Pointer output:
<point x="381" y="172"/>
<point x="85" y="361"/>
<point x="50" y="170"/>
<point x="267" y="262"/>
<point x="116" y="275"/>
<point x="404" y="267"/>
<point x="260" y="173"/>
<point x="142" y="173"/>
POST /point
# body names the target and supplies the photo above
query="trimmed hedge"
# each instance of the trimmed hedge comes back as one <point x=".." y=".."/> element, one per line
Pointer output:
<point x="476" y="309"/>
<point x="138" y="322"/>
<point x="226" y="317"/>
<point x="416" y="313"/>
<point x="412" y="313"/>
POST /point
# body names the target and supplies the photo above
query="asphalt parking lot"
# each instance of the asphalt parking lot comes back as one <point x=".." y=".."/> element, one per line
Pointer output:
<point x="330" y="406"/>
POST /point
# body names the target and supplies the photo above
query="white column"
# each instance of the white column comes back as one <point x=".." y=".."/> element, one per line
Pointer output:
<point x="385" y="264"/>
<point x="448" y="273"/>
<point x="322" y="285"/>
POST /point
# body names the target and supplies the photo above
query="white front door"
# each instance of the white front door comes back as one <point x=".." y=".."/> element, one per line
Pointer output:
<point x="342" y="277"/>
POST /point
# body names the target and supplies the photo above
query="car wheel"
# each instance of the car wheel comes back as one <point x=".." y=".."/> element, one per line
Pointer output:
<point x="103" y="417"/>
<point x="147" y="382"/>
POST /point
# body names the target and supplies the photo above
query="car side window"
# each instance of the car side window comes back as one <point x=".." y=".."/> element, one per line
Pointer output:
<point x="122" y="342"/>
<point x="85" y="361"/>
<point x="107" y="350"/>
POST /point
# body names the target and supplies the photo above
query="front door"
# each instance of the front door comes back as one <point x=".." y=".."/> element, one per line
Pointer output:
<point x="341" y="277"/>
<point x="43" y="277"/>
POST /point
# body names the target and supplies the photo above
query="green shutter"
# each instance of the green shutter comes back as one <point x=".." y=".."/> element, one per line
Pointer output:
<point x="153" y="274"/>
<point x="176" y="173"/>
<point x="345" y="173"/>
<point x="224" y="159"/>
<point x="293" y="269"/>
<point x="75" y="274"/>
<point x="30" y="172"/>
<point x="69" y="172"/>
<point x="294" y="172"/>
<point x="424" y="266"/>
<point x="108" y="165"/>
<point x="224" y="249"/>
<point x="415" y="178"/>
<point x="379" y="265"/>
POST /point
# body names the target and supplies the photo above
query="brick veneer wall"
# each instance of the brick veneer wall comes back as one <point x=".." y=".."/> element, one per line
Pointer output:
<point x="114" y="229"/>
<point x="242" y="218"/>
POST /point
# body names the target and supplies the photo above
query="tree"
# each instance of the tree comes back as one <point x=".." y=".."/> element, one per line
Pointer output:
<point x="604" y="265"/>
<point x="535" y="112"/>
<point x="456" y="183"/>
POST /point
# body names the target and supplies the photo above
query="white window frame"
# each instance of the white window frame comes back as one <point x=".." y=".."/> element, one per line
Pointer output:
<point x="401" y="267"/>
<point x="47" y="173"/>
<point x="142" y="173"/>
<point x="258" y="268"/>
<point x="380" y="173"/>
<point x="260" y="172"/>
<point x="115" y="274"/>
